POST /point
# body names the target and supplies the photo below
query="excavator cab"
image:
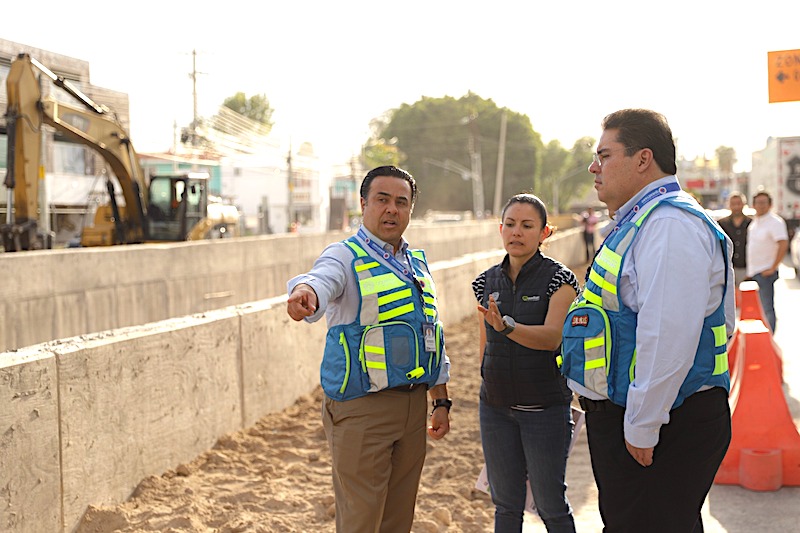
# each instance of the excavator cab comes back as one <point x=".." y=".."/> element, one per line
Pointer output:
<point x="176" y="204"/>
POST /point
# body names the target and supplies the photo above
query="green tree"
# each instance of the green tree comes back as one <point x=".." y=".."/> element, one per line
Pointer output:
<point x="726" y="157"/>
<point x="434" y="131"/>
<point x="566" y="178"/>
<point x="255" y="108"/>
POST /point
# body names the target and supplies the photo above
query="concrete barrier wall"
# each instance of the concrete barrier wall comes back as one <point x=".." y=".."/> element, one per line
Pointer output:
<point x="55" y="294"/>
<point x="84" y="419"/>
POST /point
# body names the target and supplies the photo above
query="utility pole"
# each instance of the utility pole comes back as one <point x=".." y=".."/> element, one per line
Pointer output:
<point x="193" y="75"/>
<point x="290" y="183"/>
<point x="477" y="173"/>
<point x="501" y="159"/>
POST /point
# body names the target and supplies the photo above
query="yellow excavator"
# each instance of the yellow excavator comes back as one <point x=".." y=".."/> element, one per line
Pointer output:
<point x="162" y="209"/>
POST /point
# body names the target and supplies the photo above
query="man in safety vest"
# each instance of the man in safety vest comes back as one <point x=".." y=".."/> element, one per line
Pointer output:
<point x="644" y="345"/>
<point x="384" y="350"/>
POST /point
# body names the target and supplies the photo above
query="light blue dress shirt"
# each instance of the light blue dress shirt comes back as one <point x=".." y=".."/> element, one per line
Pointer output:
<point x="333" y="280"/>
<point x="673" y="277"/>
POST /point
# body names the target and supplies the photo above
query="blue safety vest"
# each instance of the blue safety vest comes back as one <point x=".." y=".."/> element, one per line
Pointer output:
<point x="599" y="334"/>
<point x="384" y="346"/>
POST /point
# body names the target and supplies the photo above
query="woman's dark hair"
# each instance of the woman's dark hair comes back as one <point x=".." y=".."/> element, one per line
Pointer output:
<point x="527" y="198"/>
<point x="388" y="171"/>
<point x="642" y="128"/>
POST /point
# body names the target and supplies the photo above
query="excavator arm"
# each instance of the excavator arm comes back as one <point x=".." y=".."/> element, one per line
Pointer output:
<point x="88" y="123"/>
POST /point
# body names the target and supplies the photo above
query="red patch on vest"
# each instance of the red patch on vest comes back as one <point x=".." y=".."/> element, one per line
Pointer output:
<point x="580" y="320"/>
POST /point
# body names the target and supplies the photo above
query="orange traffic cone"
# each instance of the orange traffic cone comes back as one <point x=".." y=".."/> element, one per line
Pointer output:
<point x="764" y="453"/>
<point x="751" y="310"/>
<point x="750" y="302"/>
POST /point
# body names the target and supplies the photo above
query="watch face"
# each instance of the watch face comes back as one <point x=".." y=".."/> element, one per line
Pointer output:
<point x="509" y="322"/>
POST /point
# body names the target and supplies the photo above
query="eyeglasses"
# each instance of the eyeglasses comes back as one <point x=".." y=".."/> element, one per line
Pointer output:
<point x="601" y="156"/>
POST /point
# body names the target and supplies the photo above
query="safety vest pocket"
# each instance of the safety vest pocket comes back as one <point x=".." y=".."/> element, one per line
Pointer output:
<point x="586" y="347"/>
<point x="390" y="356"/>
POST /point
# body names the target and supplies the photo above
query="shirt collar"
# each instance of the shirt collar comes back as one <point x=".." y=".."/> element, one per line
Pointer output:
<point x="385" y="245"/>
<point x="627" y="206"/>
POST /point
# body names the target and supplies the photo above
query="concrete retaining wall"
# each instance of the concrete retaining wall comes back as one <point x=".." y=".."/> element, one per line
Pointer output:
<point x="84" y="419"/>
<point x="55" y="294"/>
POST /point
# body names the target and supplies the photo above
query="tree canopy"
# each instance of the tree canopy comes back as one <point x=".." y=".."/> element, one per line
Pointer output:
<point x="441" y="140"/>
<point x="255" y="108"/>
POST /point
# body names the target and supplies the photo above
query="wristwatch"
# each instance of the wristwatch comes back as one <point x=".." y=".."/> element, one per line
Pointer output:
<point x="509" y="323"/>
<point x="447" y="403"/>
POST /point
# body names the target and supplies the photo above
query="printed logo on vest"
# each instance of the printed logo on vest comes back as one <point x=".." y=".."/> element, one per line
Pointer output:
<point x="580" y="320"/>
<point x="533" y="298"/>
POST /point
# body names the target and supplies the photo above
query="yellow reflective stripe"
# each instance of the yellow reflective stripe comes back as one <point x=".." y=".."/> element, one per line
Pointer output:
<point x="644" y="215"/>
<point x="593" y="343"/>
<point x="559" y="360"/>
<point x="367" y="266"/>
<point x="720" y="335"/>
<point x="720" y="363"/>
<point x="429" y="300"/>
<point x="418" y="254"/>
<point x="343" y="342"/>
<point x="397" y="311"/>
<point x="382" y="283"/>
<point x="376" y="364"/>
<point x="430" y="312"/>
<point x="394" y="296"/>
<point x="592" y="297"/>
<point x="375" y="349"/>
<point x="356" y="248"/>
<point x="591" y="364"/>
<point x="609" y="260"/>
<point x="602" y="283"/>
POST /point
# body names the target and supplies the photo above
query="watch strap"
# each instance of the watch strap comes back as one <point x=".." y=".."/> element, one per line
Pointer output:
<point x="447" y="403"/>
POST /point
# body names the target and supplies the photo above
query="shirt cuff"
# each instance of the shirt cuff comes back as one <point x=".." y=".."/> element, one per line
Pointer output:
<point x="641" y="437"/>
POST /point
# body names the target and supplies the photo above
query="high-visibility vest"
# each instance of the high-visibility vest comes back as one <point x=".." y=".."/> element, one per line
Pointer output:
<point x="599" y="334"/>
<point x="384" y="346"/>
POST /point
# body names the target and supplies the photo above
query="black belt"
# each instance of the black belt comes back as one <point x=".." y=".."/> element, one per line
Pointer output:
<point x="408" y="388"/>
<point x="590" y="406"/>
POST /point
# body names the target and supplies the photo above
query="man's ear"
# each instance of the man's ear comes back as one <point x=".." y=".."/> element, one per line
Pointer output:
<point x="646" y="159"/>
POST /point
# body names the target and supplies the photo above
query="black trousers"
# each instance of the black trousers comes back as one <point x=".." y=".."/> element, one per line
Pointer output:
<point x="668" y="495"/>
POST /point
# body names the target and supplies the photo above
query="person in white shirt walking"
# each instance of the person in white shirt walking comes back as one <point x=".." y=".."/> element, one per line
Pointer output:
<point x="767" y="242"/>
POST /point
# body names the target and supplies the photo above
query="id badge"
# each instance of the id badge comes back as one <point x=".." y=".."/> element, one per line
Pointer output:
<point x="429" y="333"/>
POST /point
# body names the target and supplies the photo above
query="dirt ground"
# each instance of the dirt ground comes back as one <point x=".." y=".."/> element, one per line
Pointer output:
<point x="275" y="476"/>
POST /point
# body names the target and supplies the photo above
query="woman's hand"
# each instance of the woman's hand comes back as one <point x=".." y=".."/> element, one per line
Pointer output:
<point x="492" y="315"/>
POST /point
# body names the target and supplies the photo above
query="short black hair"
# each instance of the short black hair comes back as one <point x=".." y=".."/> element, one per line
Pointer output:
<point x="388" y="171"/>
<point x="765" y="194"/>
<point x="643" y="128"/>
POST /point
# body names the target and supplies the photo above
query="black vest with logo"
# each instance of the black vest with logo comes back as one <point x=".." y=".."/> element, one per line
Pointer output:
<point x="513" y="374"/>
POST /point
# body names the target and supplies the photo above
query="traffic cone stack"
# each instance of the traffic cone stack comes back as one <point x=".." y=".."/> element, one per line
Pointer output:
<point x="764" y="453"/>
<point x="750" y="309"/>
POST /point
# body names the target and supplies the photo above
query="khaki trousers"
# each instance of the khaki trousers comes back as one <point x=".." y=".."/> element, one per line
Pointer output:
<point x="377" y="445"/>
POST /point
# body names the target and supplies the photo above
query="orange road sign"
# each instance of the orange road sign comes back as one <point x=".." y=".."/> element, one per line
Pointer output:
<point x="784" y="75"/>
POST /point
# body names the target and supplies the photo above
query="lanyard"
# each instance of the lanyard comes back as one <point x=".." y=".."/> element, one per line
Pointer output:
<point x="650" y="195"/>
<point x="406" y="270"/>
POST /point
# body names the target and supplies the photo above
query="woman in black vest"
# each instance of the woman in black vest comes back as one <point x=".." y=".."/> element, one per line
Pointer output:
<point x="526" y="423"/>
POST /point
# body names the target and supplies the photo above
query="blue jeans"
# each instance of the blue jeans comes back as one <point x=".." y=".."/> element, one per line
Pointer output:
<point x="766" y="293"/>
<point x="533" y="445"/>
